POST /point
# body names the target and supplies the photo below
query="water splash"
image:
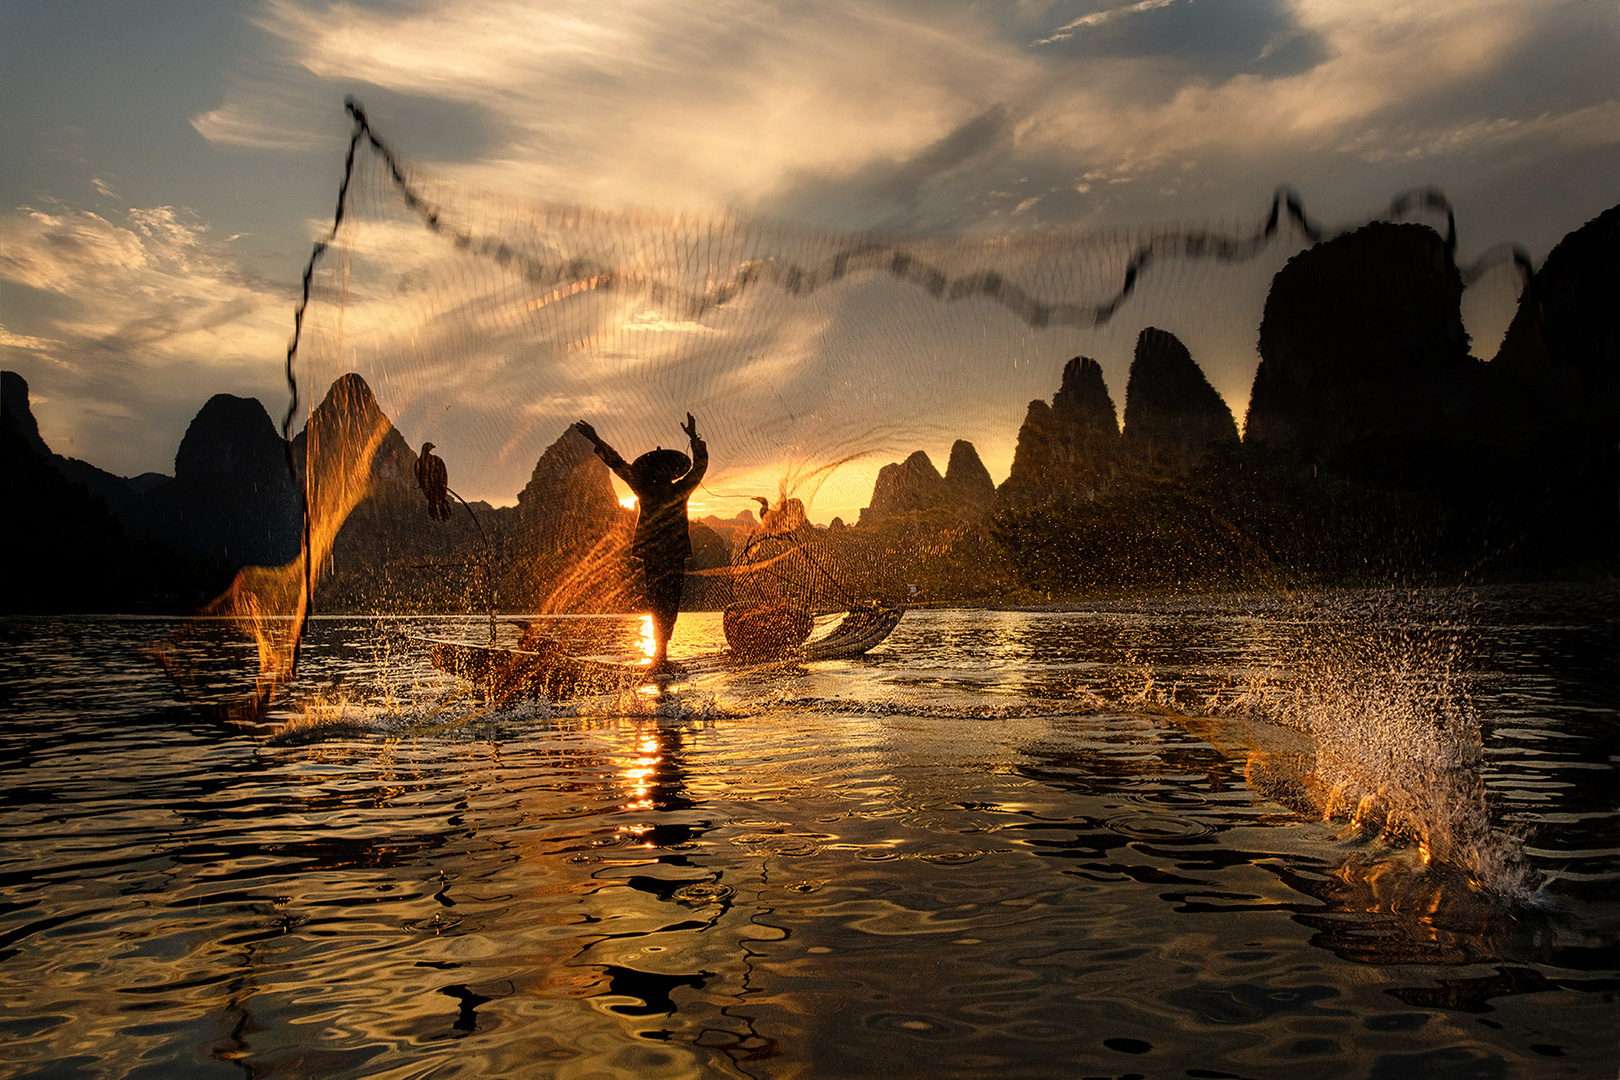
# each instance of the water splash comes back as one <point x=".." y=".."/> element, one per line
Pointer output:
<point x="445" y="709"/>
<point x="1397" y="752"/>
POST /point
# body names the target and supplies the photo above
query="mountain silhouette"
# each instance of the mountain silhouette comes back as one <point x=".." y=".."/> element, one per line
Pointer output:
<point x="1363" y="354"/>
<point x="1372" y="439"/>
<point x="1172" y="413"/>
<point x="66" y="548"/>
<point x="971" y="491"/>
<point x="905" y="487"/>
<point x="232" y="498"/>
<point x="1070" y="449"/>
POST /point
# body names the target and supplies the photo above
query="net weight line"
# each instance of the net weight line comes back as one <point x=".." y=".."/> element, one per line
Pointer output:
<point x="857" y="253"/>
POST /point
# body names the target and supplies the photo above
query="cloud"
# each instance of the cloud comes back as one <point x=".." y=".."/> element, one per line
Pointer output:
<point x="702" y="106"/>
<point x="1097" y="18"/>
<point x="892" y="115"/>
<point x="1376" y="65"/>
<point x="26" y="341"/>
<point x="60" y="252"/>
<point x="1195" y="42"/>
<point x="1594" y="125"/>
<point x="134" y="315"/>
<point x="236" y="124"/>
<point x="912" y="193"/>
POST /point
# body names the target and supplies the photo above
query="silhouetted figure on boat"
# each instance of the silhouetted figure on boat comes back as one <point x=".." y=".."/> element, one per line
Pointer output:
<point x="662" y="481"/>
<point x="768" y="617"/>
<point x="434" y="480"/>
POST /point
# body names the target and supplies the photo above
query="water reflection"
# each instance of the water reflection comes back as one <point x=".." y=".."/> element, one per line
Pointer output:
<point x="1012" y="842"/>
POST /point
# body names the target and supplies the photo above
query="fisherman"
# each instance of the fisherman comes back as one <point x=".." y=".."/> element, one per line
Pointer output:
<point x="662" y="481"/>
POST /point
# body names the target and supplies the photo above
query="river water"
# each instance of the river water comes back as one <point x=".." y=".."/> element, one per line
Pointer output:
<point x="1365" y="834"/>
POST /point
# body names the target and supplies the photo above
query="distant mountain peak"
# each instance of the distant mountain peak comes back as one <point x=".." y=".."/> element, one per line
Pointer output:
<point x="968" y="481"/>
<point x="1069" y="449"/>
<point x="16" y="413"/>
<point x="1362" y="341"/>
<point x="1082" y="398"/>
<point x="230" y="434"/>
<point x="1172" y="413"/>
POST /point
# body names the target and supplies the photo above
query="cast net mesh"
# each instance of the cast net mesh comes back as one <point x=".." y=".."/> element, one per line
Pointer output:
<point x="809" y="357"/>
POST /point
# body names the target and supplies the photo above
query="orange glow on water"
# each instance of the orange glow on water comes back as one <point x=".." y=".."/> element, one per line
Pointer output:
<point x="638" y="775"/>
<point x="649" y="641"/>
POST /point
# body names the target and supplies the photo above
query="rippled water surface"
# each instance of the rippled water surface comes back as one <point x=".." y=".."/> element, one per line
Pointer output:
<point x="1356" y="834"/>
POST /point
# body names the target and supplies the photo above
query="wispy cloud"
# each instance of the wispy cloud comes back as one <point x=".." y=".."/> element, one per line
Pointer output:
<point x="26" y="341"/>
<point x="863" y="113"/>
<point x="141" y="314"/>
<point x="236" y="124"/>
<point x="725" y="104"/>
<point x="1097" y="18"/>
<point x="1380" y="60"/>
<point x="687" y="105"/>
<point x="1594" y="125"/>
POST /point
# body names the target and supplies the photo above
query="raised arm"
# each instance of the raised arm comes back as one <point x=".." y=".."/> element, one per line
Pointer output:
<point x="610" y="457"/>
<point x="700" y="456"/>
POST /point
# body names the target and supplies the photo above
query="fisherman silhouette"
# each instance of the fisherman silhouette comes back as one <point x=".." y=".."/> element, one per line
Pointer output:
<point x="434" y="480"/>
<point x="662" y="481"/>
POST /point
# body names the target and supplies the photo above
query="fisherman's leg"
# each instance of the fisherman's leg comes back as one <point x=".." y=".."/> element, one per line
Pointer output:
<point x="664" y="597"/>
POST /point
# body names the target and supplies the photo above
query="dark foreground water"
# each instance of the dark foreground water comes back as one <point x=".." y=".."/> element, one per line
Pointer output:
<point x="1171" y="839"/>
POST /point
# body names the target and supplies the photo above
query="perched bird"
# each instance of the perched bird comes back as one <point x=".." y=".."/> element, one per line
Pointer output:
<point x="434" y="480"/>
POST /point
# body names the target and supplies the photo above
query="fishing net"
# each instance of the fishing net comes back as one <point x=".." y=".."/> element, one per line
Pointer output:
<point x="809" y="357"/>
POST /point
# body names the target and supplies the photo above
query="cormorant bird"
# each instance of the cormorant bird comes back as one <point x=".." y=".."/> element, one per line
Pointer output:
<point x="434" y="480"/>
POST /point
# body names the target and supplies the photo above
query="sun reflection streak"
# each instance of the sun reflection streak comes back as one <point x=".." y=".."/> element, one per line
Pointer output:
<point x="638" y="780"/>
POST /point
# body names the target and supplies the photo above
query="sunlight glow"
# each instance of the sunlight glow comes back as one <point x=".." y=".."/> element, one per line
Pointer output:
<point x="649" y="642"/>
<point x="638" y="781"/>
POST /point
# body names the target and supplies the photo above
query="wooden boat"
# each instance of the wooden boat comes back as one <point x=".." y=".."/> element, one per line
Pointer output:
<point x="547" y="670"/>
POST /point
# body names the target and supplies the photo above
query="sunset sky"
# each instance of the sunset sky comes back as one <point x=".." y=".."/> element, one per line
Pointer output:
<point x="167" y="163"/>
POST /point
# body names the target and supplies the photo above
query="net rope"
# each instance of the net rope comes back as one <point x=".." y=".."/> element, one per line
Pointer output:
<point x="488" y="324"/>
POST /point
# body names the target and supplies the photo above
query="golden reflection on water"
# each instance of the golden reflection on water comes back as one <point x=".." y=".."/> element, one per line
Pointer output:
<point x="637" y="776"/>
<point x="648" y="643"/>
<point x="859" y="867"/>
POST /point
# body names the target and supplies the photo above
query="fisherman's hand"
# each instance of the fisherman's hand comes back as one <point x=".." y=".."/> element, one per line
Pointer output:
<point x="690" y="427"/>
